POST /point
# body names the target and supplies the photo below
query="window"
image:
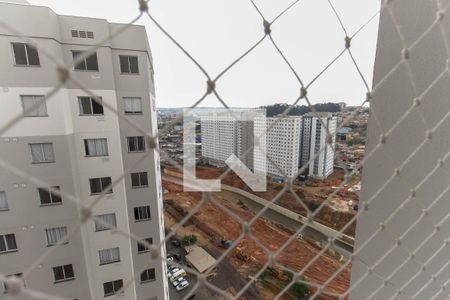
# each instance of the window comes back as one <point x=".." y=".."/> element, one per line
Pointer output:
<point x="3" y="201"/>
<point x="63" y="273"/>
<point x="42" y="153"/>
<point x="148" y="275"/>
<point x="54" y="235"/>
<point x="96" y="147"/>
<point x="99" y="185"/>
<point x="143" y="248"/>
<point x="142" y="213"/>
<point x="48" y="195"/>
<point x="112" y="287"/>
<point x="90" y="106"/>
<point x="109" y="219"/>
<point x="8" y="243"/>
<point x="34" y="106"/>
<point x="136" y="144"/>
<point x="87" y="63"/>
<point x="133" y="105"/>
<point x="128" y="64"/>
<point x="108" y="256"/>
<point x="25" y="55"/>
<point x="139" y="179"/>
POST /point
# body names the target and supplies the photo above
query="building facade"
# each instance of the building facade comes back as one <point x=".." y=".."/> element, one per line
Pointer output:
<point x="75" y="144"/>
<point x="283" y="146"/>
<point x="316" y="153"/>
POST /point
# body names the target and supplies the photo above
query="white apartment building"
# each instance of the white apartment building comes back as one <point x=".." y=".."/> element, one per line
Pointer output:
<point x="233" y="132"/>
<point x="76" y="145"/>
<point x="282" y="144"/>
<point x="313" y="140"/>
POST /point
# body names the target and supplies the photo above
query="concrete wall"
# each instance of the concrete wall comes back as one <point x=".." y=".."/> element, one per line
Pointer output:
<point x="393" y="97"/>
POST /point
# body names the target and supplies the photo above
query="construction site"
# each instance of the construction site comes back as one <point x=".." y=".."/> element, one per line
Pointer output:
<point x="221" y="217"/>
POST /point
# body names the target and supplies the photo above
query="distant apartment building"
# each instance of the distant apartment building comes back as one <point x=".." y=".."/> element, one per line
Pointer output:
<point x="226" y="133"/>
<point x="74" y="144"/>
<point x="316" y="153"/>
<point x="283" y="146"/>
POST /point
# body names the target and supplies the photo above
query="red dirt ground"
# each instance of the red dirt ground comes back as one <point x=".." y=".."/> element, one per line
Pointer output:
<point x="216" y="224"/>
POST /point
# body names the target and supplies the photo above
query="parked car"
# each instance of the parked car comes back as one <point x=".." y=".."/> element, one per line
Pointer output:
<point x="175" y="275"/>
<point x="170" y="268"/>
<point x="178" y="281"/>
<point x="182" y="285"/>
<point x="172" y="271"/>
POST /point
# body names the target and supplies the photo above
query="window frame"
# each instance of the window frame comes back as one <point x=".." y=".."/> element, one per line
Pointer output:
<point x="139" y="174"/>
<point x="135" y="140"/>
<point x="64" y="271"/>
<point x="80" y="52"/>
<point x="8" y="248"/>
<point x="44" y="102"/>
<point x="43" y="153"/>
<point x="115" y="290"/>
<point x="102" y="186"/>
<point x="64" y="237"/>
<point x="147" y="273"/>
<point x="139" y="210"/>
<point x="100" y="227"/>
<point x="144" y="248"/>
<point x="105" y="140"/>
<point x="51" y="195"/>
<point x="28" y="65"/>
<point x="6" y="208"/>
<point x="109" y="262"/>
<point x="141" y="112"/>
<point x="129" y="65"/>
<point x="91" y="105"/>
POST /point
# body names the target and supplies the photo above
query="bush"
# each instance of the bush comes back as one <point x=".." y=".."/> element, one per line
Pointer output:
<point x="300" y="290"/>
<point x="189" y="240"/>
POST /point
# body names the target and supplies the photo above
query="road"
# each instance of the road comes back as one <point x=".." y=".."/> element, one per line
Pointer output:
<point x="289" y="222"/>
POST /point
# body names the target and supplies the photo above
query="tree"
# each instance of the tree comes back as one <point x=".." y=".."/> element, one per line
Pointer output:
<point x="189" y="240"/>
<point x="300" y="290"/>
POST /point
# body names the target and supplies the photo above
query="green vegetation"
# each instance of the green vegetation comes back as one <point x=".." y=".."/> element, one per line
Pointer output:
<point x="189" y="240"/>
<point x="298" y="110"/>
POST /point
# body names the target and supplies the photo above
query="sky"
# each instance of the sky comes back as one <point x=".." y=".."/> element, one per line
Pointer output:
<point x="216" y="32"/>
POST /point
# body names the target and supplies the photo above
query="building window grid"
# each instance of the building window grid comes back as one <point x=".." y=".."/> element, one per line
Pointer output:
<point x="128" y="64"/>
<point x="109" y="219"/>
<point x="148" y="275"/>
<point x="142" y="248"/>
<point x="112" y="287"/>
<point x="100" y="185"/>
<point x="142" y="213"/>
<point x="136" y="144"/>
<point x="139" y="180"/>
<point x="63" y="273"/>
<point x="25" y="55"/>
<point x="109" y="256"/>
<point x="34" y="105"/>
<point x="42" y="153"/>
<point x="47" y="196"/>
<point x="8" y="243"/>
<point x="96" y="147"/>
<point x="90" y="106"/>
<point x="3" y="201"/>
<point x="56" y="234"/>
<point x="89" y="63"/>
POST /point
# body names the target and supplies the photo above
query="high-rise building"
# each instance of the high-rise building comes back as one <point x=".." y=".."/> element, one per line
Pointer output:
<point x="316" y="152"/>
<point x="282" y="146"/>
<point x="75" y="144"/>
<point x="225" y="133"/>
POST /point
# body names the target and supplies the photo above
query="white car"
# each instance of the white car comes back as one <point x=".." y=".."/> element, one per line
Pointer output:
<point x="173" y="271"/>
<point x="178" y="281"/>
<point x="178" y="274"/>
<point x="182" y="285"/>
